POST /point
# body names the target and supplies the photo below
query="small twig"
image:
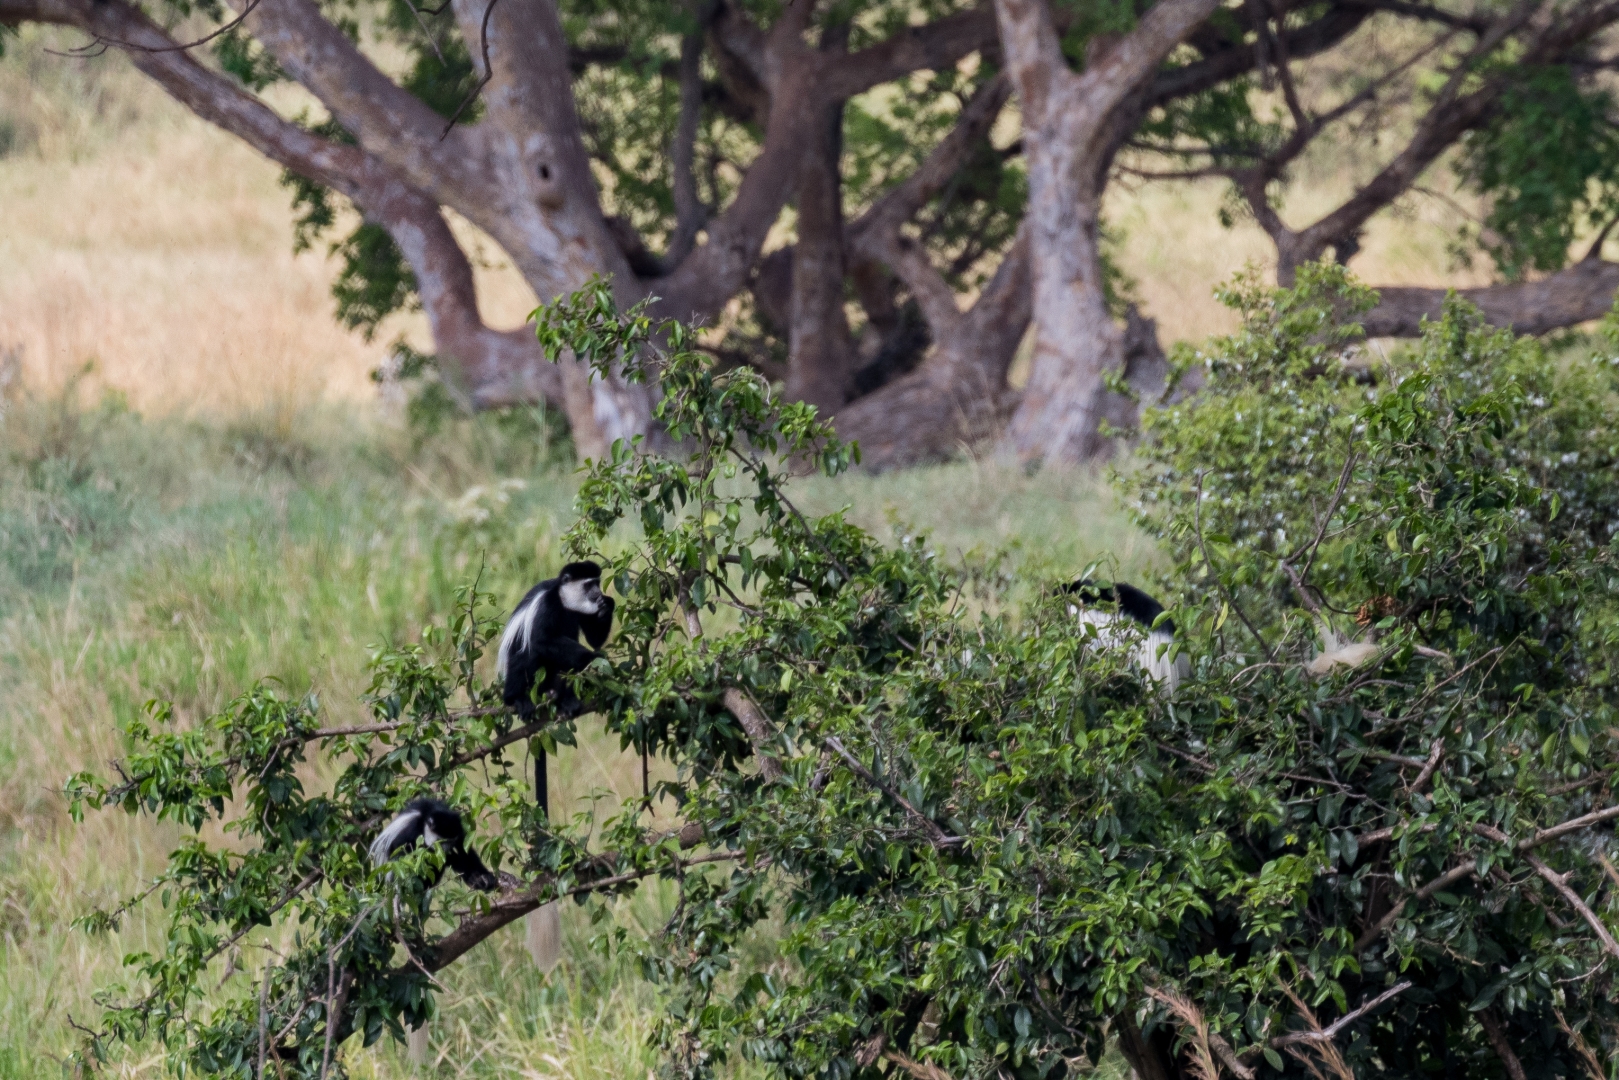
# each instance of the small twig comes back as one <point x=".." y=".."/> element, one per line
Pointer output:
<point x="1584" y="821"/>
<point x="1398" y="759"/>
<point x="1191" y="759"/>
<point x="431" y="39"/>
<point x="920" y="1070"/>
<point x="1552" y="917"/>
<point x="1438" y="884"/>
<point x="1466" y="869"/>
<point x="1575" y="785"/>
<point x="1588" y="1056"/>
<point x="1594" y="252"/>
<point x="1607" y="867"/>
<point x="809" y="533"/>
<point x="1430" y="765"/>
<point x="941" y="839"/>
<point x="1332" y="508"/>
<point x="516" y="734"/>
<point x="101" y="43"/>
<point x="1572" y="898"/>
<point x="337" y="991"/>
<point x="264" y="1015"/>
<point x="488" y="73"/>
<point x="399" y="935"/>
<point x="1330" y="1032"/>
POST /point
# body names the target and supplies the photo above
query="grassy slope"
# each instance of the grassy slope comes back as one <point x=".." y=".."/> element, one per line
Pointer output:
<point x="184" y="559"/>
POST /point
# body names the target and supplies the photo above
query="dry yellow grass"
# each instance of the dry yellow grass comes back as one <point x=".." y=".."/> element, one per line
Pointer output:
<point x="142" y="240"/>
<point x="145" y="241"/>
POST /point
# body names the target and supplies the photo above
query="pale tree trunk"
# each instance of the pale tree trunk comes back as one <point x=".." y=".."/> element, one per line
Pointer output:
<point x="1067" y="121"/>
<point x="822" y="359"/>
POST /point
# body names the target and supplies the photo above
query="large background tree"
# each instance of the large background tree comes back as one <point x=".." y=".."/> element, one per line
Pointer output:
<point x="887" y="154"/>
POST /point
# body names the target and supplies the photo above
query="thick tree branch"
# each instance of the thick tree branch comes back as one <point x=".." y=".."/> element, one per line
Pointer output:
<point x="387" y="120"/>
<point x="875" y="236"/>
<point x="936" y="835"/>
<point x="211" y="96"/>
<point x="1498" y="1043"/>
<point x="821" y="358"/>
<point x="706" y="280"/>
<point x="1469" y="867"/>
<point x="511" y="904"/>
<point x="795" y="82"/>
<point x="1582" y="292"/>
<point x="1235" y="58"/>
<point x="909" y="260"/>
<point x="759" y="730"/>
<point x="902" y="202"/>
<point x="1560" y="885"/>
<point x="1071" y="124"/>
<point x="489" y="366"/>
<point x="933" y="46"/>
<point x="1327" y="1034"/>
<point x="690" y="214"/>
<point x="1122" y="68"/>
<point x="1546" y="33"/>
<point x="959" y="395"/>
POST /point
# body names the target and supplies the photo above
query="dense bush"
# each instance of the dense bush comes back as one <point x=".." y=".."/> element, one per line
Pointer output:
<point x="1440" y="818"/>
<point x="990" y="841"/>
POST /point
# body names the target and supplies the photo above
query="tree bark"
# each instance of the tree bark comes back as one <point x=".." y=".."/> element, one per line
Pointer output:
<point x="1146" y="1059"/>
<point x="959" y="396"/>
<point x="1534" y="32"/>
<point x="486" y="366"/>
<point x="1498" y="1042"/>
<point x="1583" y="292"/>
<point x="1066" y="118"/>
<point x="821" y="359"/>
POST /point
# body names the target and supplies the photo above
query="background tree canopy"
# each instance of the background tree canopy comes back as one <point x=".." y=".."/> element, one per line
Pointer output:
<point x="990" y="843"/>
<point x="838" y="191"/>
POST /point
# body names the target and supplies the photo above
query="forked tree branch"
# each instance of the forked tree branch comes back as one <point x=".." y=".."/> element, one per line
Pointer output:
<point x="1470" y="867"/>
<point x="388" y="120"/>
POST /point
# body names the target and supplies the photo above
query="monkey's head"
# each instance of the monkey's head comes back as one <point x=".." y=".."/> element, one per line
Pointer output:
<point x="579" y="586"/>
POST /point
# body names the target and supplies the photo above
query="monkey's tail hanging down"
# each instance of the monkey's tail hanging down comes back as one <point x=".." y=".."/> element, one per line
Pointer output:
<point x="543" y="927"/>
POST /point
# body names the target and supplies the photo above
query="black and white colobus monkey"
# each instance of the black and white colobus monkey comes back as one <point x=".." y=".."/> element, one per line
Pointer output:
<point x="434" y="823"/>
<point x="1152" y="655"/>
<point x="543" y="635"/>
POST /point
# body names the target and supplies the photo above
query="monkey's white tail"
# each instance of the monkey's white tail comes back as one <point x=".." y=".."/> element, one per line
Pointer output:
<point x="543" y="932"/>
<point x="1337" y="653"/>
<point x="382" y="846"/>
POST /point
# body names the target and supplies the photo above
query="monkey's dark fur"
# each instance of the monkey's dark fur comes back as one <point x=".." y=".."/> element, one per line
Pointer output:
<point x="1132" y="602"/>
<point x="1153" y="652"/>
<point x="543" y="636"/>
<point x="439" y="825"/>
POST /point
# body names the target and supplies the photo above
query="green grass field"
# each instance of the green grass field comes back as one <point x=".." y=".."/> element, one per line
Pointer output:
<point x="184" y="559"/>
